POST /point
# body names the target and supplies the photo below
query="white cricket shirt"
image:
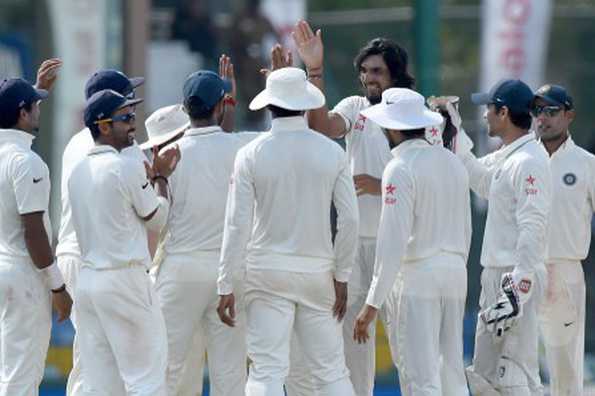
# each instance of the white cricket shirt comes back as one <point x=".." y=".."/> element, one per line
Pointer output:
<point x="426" y="211"/>
<point x="517" y="182"/>
<point x="24" y="188"/>
<point x="283" y="183"/>
<point x="199" y="188"/>
<point x="368" y="152"/>
<point x="76" y="150"/>
<point x="110" y="195"/>
<point x="573" y="203"/>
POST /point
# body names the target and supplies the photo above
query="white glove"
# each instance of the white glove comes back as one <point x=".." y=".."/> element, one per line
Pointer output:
<point x="502" y="315"/>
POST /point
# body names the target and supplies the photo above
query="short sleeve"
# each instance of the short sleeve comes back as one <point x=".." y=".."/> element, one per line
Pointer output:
<point x="138" y="188"/>
<point x="31" y="184"/>
<point x="349" y="110"/>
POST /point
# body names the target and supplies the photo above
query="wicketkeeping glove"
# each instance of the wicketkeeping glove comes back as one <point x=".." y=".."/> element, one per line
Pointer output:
<point x="502" y="315"/>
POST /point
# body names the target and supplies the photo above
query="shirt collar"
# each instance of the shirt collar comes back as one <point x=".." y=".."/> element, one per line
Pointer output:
<point x="566" y="146"/>
<point x="17" y="136"/>
<point x="409" y="144"/>
<point x="512" y="147"/>
<point x="102" y="148"/>
<point x="203" y="131"/>
<point x="297" y="123"/>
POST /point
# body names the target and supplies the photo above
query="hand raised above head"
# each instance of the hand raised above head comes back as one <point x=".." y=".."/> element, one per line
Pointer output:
<point x="48" y="73"/>
<point x="279" y="59"/>
<point x="309" y="46"/>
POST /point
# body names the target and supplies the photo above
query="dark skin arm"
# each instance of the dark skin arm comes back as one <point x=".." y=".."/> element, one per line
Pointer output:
<point x="38" y="245"/>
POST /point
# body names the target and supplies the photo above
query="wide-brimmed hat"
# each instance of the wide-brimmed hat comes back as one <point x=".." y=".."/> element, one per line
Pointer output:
<point x="289" y="89"/>
<point x="402" y="109"/>
<point x="164" y="124"/>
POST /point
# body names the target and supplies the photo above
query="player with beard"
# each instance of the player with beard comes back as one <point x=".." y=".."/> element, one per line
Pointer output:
<point x="562" y="313"/>
<point x="381" y="64"/>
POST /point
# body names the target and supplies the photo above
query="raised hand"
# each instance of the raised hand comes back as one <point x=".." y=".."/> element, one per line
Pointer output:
<point x="279" y="59"/>
<point x="309" y="45"/>
<point x="226" y="72"/>
<point x="48" y="73"/>
<point x="165" y="162"/>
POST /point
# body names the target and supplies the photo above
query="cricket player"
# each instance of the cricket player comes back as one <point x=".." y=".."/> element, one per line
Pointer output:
<point x="423" y="241"/>
<point x="562" y="312"/>
<point x="381" y="64"/>
<point x="68" y="251"/>
<point x="187" y="279"/>
<point x="516" y="180"/>
<point x="121" y="329"/>
<point x="30" y="280"/>
<point x="283" y="183"/>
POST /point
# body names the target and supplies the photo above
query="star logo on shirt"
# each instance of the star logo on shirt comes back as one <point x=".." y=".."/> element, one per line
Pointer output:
<point x="390" y="189"/>
<point x="434" y="131"/>
<point x="530" y="180"/>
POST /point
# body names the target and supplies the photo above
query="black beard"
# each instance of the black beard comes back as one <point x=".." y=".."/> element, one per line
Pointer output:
<point x="374" y="99"/>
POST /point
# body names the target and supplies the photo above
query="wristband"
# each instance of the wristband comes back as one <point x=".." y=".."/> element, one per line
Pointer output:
<point x="229" y="100"/>
<point x="60" y="289"/>
<point x="53" y="276"/>
<point x="160" y="177"/>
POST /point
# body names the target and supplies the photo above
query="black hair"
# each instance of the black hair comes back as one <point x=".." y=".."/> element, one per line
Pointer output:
<point x="197" y="110"/>
<point x="10" y="119"/>
<point x="281" y="112"/>
<point x="519" y="119"/>
<point x="414" y="133"/>
<point x="95" y="132"/>
<point x="394" y="56"/>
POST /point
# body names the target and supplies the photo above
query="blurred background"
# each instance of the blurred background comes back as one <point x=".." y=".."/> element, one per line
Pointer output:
<point x="456" y="46"/>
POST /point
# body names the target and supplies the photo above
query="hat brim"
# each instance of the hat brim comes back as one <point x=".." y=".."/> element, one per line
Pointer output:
<point x="130" y="102"/>
<point x="41" y="93"/>
<point x="136" y="81"/>
<point x="548" y="100"/>
<point x="158" y="141"/>
<point x="481" y="99"/>
<point x="308" y="99"/>
<point x="382" y="116"/>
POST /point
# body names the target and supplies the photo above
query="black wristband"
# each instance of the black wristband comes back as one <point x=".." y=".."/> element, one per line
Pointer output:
<point x="160" y="177"/>
<point x="60" y="289"/>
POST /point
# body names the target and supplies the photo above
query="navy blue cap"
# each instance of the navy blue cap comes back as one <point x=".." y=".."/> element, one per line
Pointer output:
<point x="16" y="93"/>
<point x="206" y="86"/>
<point x="112" y="79"/>
<point x="555" y="95"/>
<point x="514" y="94"/>
<point x="103" y="104"/>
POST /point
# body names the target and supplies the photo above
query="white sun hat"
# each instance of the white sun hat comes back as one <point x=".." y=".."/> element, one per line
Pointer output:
<point x="164" y="124"/>
<point x="289" y="89"/>
<point x="402" y="109"/>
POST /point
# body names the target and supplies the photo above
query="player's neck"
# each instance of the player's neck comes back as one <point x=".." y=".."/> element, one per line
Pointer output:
<point x="553" y="145"/>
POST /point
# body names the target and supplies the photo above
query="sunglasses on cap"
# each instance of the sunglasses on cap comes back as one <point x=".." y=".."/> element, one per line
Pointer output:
<point x="127" y="118"/>
<point x="549" y="111"/>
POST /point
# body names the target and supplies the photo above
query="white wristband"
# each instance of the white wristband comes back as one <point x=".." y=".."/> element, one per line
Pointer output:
<point x="53" y="276"/>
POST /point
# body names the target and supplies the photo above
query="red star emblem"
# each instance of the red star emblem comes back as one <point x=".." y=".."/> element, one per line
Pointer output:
<point x="390" y="189"/>
<point x="530" y="180"/>
<point x="434" y="131"/>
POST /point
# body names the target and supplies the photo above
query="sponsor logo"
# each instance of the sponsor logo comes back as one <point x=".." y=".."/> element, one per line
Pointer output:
<point x="434" y="131"/>
<point x="501" y="371"/>
<point x="145" y="185"/>
<point x="569" y="179"/>
<point x="568" y="324"/>
<point x="359" y="124"/>
<point x="390" y="189"/>
<point x="37" y="180"/>
<point x="525" y="285"/>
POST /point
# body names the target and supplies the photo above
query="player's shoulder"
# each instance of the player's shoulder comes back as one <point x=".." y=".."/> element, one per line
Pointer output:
<point x="257" y="144"/>
<point x="355" y="103"/>
<point x="81" y="140"/>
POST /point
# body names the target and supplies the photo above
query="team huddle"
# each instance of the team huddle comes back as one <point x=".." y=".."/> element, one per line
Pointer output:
<point x="204" y="240"/>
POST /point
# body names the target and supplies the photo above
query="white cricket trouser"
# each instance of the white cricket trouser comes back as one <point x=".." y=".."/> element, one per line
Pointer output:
<point x="187" y="289"/>
<point x="279" y="303"/>
<point x="361" y="358"/>
<point x="122" y="333"/>
<point x="25" y="324"/>
<point x="69" y="266"/>
<point x="191" y="382"/>
<point x="428" y="326"/>
<point x="562" y="324"/>
<point x="509" y="363"/>
<point x="299" y="380"/>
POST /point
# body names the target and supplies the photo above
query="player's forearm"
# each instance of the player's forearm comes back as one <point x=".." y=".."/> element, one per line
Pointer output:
<point x="38" y="246"/>
<point x="228" y="121"/>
